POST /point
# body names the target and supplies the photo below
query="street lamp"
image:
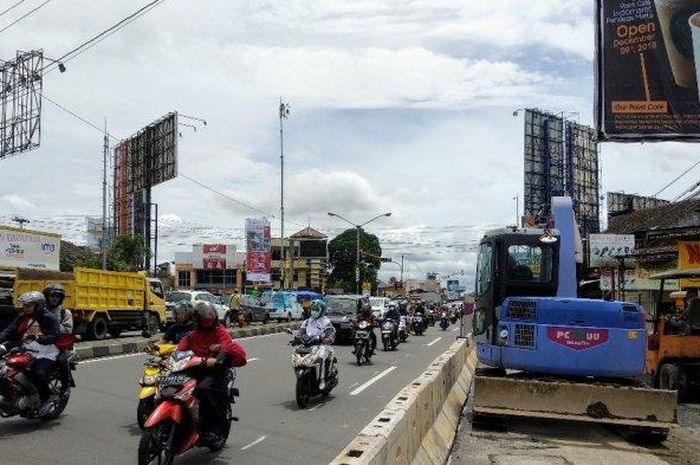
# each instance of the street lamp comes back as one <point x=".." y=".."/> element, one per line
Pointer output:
<point x="357" y="250"/>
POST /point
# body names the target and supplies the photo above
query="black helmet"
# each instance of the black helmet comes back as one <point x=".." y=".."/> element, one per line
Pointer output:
<point x="183" y="306"/>
<point x="204" y="311"/>
<point x="33" y="297"/>
<point x="55" y="289"/>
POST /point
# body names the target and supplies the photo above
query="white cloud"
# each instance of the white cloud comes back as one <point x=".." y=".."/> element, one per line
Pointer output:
<point x="16" y="203"/>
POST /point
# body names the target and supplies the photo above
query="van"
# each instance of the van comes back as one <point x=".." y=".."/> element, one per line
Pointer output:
<point x="285" y="306"/>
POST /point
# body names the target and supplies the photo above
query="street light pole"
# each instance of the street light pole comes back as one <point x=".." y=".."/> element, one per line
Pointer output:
<point x="284" y="114"/>
<point x="357" y="249"/>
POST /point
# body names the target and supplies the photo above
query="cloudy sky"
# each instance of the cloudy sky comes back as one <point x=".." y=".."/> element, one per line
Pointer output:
<point x="396" y="105"/>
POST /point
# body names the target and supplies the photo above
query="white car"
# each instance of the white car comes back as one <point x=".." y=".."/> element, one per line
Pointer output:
<point x="379" y="306"/>
<point x="222" y="310"/>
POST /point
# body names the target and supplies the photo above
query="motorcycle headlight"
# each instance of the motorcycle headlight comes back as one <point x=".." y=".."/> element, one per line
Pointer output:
<point x="148" y="380"/>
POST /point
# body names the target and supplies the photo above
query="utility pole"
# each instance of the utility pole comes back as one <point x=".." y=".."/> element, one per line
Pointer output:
<point x="105" y="150"/>
<point x="517" y="210"/>
<point x="357" y="262"/>
<point x="284" y="114"/>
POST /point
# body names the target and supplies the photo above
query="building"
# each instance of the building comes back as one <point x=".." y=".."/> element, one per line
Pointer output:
<point x="217" y="268"/>
<point x="306" y="253"/>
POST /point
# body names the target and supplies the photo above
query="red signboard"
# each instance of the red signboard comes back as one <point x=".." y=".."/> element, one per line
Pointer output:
<point x="214" y="249"/>
<point x="214" y="263"/>
<point x="577" y="338"/>
<point x="259" y="256"/>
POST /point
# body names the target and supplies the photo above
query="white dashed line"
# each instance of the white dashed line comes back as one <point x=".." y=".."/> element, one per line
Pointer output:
<point x="257" y="441"/>
<point x="431" y="343"/>
<point x="252" y="359"/>
<point x="456" y="329"/>
<point x="372" y="381"/>
<point x="316" y="407"/>
<point x="110" y="357"/>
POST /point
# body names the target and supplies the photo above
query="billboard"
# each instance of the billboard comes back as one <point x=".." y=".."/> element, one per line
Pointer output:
<point x="21" y="82"/>
<point x="259" y="250"/>
<point x="635" y="280"/>
<point x="560" y="158"/>
<point x="603" y="248"/>
<point x="620" y="203"/>
<point x="688" y="259"/>
<point x="93" y="227"/>
<point x="213" y="256"/>
<point x="454" y="289"/>
<point x="25" y="248"/>
<point x="646" y="73"/>
<point x="141" y="162"/>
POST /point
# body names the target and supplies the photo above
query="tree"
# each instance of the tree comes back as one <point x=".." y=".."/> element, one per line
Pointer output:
<point x="76" y="256"/>
<point x="342" y="259"/>
<point x="127" y="253"/>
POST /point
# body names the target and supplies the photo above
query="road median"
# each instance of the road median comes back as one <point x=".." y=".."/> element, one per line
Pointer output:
<point x="117" y="347"/>
<point x="419" y="424"/>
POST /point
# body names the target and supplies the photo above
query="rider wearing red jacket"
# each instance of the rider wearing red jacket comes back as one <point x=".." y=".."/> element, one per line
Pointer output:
<point x="211" y="340"/>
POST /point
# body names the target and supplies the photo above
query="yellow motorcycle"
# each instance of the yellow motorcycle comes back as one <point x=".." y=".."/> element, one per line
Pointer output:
<point x="153" y="368"/>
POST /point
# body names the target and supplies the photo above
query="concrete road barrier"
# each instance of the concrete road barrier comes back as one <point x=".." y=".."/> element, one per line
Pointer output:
<point x="419" y="424"/>
<point x="107" y="347"/>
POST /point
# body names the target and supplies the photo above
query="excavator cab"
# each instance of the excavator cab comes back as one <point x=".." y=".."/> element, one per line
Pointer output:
<point x="512" y="262"/>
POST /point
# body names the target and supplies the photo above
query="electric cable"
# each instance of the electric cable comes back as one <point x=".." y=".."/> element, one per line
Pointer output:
<point x="23" y="16"/>
<point x="12" y="7"/>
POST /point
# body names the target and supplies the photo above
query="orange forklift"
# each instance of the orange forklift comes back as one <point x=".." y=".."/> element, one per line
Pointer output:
<point x="673" y="346"/>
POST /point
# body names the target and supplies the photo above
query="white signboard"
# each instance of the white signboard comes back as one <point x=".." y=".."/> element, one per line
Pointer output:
<point x="605" y="247"/>
<point x="24" y="248"/>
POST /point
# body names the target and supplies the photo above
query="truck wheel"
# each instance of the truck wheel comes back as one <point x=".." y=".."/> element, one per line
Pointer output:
<point x="152" y="324"/>
<point x="673" y="377"/>
<point x="98" y="328"/>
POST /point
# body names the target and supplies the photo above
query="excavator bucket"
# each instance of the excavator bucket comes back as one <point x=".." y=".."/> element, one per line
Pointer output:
<point x="637" y="407"/>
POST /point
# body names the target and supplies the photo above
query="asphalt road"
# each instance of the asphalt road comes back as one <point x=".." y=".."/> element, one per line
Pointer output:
<point x="99" y="425"/>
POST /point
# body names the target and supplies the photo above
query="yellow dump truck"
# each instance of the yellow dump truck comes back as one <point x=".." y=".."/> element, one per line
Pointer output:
<point x="102" y="302"/>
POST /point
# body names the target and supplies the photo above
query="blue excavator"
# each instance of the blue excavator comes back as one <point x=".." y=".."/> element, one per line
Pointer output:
<point x="544" y="352"/>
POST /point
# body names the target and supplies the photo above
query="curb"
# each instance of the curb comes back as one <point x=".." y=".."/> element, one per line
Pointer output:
<point x="419" y="424"/>
<point x="118" y="348"/>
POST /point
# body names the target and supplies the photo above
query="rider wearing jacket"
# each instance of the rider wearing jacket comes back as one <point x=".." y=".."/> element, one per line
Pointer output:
<point x="211" y="340"/>
<point x="318" y="330"/>
<point x="182" y="313"/>
<point x="364" y="313"/>
<point x="37" y="329"/>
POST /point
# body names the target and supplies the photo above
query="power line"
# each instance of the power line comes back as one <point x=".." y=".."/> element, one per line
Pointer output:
<point x="12" y="7"/>
<point x="23" y="16"/>
<point x="677" y="178"/>
<point x="80" y="118"/>
<point x="106" y="33"/>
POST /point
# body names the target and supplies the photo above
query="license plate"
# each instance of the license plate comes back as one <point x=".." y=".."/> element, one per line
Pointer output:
<point x="172" y="380"/>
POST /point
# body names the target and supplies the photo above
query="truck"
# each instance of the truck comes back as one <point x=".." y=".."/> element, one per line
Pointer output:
<point x="102" y="302"/>
<point x="544" y="352"/>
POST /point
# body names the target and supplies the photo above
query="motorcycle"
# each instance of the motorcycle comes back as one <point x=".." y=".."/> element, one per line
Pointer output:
<point x="18" y="394"/>
<point x="430" y="318"/>
<point x="363" y="349"/>
<point x="153" y="368"/>
<point x="173" y="427"/>
<point x="418" y="325"/>
<point x="389" y="335"/>
<point x="454" y="316"/>
<point x="444" y="321"/>
<point x="306" y="363"/>
<point x="403" y="330"/>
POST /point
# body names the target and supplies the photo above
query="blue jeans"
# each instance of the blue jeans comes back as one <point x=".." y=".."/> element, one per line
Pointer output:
<point x="40" y="376"/>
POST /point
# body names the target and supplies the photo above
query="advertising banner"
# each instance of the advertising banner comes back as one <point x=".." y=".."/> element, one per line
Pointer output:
<point x="94" y="234"/>
<point x="635" y="280"/>
<point x="647" y="52"/>
<point x="688" y="259"/>
<point x="604" y="248"/>
<point x="259" y="253"/>
<point x="454" y="291"/>
<point x="213" y="257"/>
<point x="24" y="248"/>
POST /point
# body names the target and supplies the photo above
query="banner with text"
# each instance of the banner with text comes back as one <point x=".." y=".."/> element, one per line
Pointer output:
<point x="689" y="259"/>
<point x="259" y="255"/>
<point x="604" y="248"/>
<point x="646" y="52"/>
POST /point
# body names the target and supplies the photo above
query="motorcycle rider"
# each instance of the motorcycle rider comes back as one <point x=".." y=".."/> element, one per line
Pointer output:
<point x="211" y="340"/>
<point x="55" y="294"/>
<point x="37" y="330"/>
<point x="364" y="313"/>
<point x="318" y="330"/>
<point x="393" y="314"/>
<point x="182" y="313"/>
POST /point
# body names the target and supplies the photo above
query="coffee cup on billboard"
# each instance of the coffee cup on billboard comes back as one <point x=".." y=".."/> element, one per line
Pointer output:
<point x="674" y="19"/>
<point x="694" y="23"/>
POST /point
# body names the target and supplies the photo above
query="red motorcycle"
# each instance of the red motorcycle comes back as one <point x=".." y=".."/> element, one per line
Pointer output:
<point x="173" y="427"/>
<point x="19" y="396"/>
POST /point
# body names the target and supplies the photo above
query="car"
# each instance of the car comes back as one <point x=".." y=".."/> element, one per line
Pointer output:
<point x="341" y="311"/>
<point x="379" y="306"/>
<point x="254" y="310"/>
<point x="223" y="312"/>
<point x="284" y="306"/>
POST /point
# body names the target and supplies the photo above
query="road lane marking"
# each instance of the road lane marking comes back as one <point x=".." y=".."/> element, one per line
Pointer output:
<point x="372" y="381"/>
<point x="353" y="385"/>
<point x="317" y="406"/>
<point x="257" y="441"/>
<point x="456" y="329"/>
<point x="252" y="359"/>
<point x="431" y="343"/>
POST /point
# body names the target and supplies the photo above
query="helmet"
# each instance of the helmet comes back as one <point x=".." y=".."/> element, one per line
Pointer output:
<point x="183" y="306"/>
<point x="205" y="315"/>
<point x="55" y="289"/>
<point x="319" y="306"/>
<point x="33" y="297"/>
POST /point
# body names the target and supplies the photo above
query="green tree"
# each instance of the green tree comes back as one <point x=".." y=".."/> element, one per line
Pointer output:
<point x="342" y="259"/>
<point x="127" y="253"/>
